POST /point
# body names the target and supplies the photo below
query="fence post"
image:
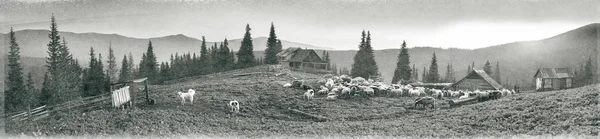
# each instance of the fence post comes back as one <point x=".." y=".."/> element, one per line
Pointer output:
<point x="147" y="92"/>
<point x="29" y="113"/>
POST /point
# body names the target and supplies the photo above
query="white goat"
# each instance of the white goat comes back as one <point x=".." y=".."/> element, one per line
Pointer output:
<point x="235" y="106"/>
<point x="309" y="94"/>
<point x="189" y="95"/>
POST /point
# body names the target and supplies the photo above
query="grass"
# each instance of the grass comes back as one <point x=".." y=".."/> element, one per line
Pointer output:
<point x="264" y="113"/>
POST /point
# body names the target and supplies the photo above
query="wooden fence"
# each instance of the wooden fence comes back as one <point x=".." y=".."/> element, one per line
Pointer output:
<point x="33" y="114"/>
<point x="83" y="104"/>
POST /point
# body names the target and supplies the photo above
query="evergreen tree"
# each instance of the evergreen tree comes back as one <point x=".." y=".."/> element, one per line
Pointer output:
<point x="433" y="76"/>
<point x="498" y="79"/>
<point x="488" y="68"/>
<point x="588" y="73"/>
<point x="125" y="71"/>
<point x="364" y="61"/>
<point x="415" y="74"/>
<point x="94" y="82"/>
<point x="45" y="93"/>
<point x="150" y="65"/>
<point x="272" y="47"/>
<point x="214" y="57"/>
<point x="449" y="74"/>
<point x="403" y="71"/>
<point x="246" y="53"/>
<point x="16" y="94"/>
<point x="223" y="57"/>
<point x="112" y="65"/>
<point x="33" y="93"/>
<point x="469" y="69"/>
<point x="424" y="76"/>
<point x="131" y="67"/>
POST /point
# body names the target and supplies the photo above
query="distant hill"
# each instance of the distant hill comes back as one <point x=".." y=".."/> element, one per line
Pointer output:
<point x="518" y="60"/>
<point x="33" y="44"/>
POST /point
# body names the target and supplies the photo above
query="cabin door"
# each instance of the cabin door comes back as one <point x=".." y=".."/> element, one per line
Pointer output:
<point x="538" y="83"/>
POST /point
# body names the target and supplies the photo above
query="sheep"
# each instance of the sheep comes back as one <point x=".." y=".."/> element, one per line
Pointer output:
<point x="287" y="85"/>
<point x="309" y="94"/>
<point x="323" y="90"/>
<point x="358" y="80"/>
<point x="396" y="92"/>
<point x="328" y="76"/>
<point x="235" y="106"/>
<point x="331" y="96"/>
<point x="329" y="83"/>
<point x="188" y="95"/>
<point x="346" y="78"/>
<point x="346" y="91"/>
<point x="424" y="101"/>
<point x="416" y="92"/>
<point x="368" y="90"/>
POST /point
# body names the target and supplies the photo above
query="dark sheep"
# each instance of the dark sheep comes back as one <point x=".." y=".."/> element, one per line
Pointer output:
<point x="424" y="101"/>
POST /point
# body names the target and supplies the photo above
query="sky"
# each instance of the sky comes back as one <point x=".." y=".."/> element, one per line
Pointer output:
<point x="336" y="24"/>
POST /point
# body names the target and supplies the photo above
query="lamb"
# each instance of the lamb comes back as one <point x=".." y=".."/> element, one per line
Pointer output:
<point x="309" y="94"/>
<point x="235" y="106"/>
<point x="189" y="95"/>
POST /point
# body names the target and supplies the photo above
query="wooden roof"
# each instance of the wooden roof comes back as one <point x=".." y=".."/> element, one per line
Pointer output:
<point x="294" y="54"/>
<point x="554" y="73"/>
<point x="484" y="76"/>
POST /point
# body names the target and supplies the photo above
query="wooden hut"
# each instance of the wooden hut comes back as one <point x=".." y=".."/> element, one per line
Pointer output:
<point x="301" y="59"/>
<point x="553" y="79"/>
<point x="476" y="79"/>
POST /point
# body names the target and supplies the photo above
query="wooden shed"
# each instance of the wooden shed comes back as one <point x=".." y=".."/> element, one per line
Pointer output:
<point x="553" y="79"/>
<point x="301" y="59"/>
<point x="476" y="79"/>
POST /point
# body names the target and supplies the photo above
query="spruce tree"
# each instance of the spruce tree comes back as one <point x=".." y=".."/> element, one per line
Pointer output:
<point x="588" y="73"/>
<point x="364" y="61"/>
<point x="272" y="47"/>
<point x="150" y="64"/>
<point x="112" y="65"/>
<point x="488" y="68"/>
<point x="424" y="76"/>
<point x="402" y="71"/>
<point x="94" y="81"/>
<point x="214" y="57"/>
<point x="449" y="74"/>
<point x="125" y="71"/>
<point x="498" y="79"/>
<point x="328" y="60"/>
<point x="245" y="54"/>
<point x="433" y="76"/>
<point x="45" y="93"/>
<point x="131" y="67"/>
<point x="15" y="89"/>
<point x="33" y="93"/>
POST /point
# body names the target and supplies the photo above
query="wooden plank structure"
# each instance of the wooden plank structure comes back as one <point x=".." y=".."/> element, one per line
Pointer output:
<point x="132" y="88"/>
<point x="553" y="79"/>
<point x="431" y="85"/>
<point x="299" y="59"/>
<point x="476" y="79"/>
<point x="31" y="114"/>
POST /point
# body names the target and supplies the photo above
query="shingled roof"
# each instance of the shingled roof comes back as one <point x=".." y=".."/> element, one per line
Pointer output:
<point x="554" y="73"/>
<point x="484" y="76"/>
<point x="299" y="55"/>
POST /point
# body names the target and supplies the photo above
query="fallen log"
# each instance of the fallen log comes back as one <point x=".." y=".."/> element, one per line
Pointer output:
<point x="457" y="102"/>
<point x="318" y="118"/>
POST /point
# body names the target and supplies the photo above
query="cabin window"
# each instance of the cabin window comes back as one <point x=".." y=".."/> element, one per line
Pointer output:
<point x="568" y="83"/>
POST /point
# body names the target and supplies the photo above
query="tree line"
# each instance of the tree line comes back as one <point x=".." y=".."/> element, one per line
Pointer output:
<point x="66" y="80"/>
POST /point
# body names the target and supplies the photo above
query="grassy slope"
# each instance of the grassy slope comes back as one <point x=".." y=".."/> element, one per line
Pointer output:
<point x="264" y="106"/>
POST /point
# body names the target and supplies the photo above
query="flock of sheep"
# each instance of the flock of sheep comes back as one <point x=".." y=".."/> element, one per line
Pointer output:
<point x="344" y="87"/>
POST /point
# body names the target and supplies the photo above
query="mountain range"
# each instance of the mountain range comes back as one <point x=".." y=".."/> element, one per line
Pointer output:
<point x="518" y="60"/>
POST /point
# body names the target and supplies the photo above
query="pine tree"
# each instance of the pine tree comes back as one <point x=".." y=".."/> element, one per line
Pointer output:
<point x="150" y="65"/>
<point x="415" y="74"/>
<point x="223" y="57"/>
<point x="488" y="68"/>
<point x="45" y="93"/>
<point x="364" y="61"/>
<point x="125" y="71"/>
<point x="403" y="71"/>
<point x="272" y="47"/>
<point x="94" y="80"/>
<point x="214" y="57"/>
<point x="424" y="76"/>
<point x="245" y="54"/>
<point x="131" y="67"/>
<point x="15" y="92"/>
<point x="33" y="93"/>
<point x="112" y="65"/>
<point x="433" y="76"/>
<point x="588" y="73"/>
<point x="498" y="79"/>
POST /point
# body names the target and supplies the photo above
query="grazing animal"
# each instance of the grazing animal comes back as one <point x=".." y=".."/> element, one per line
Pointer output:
<point x="368" y="91"/>
<point x="287" y="85"/>
<point x="235" y="106"/>
<point x="396" y="92"/>
<point x="309" y="94"/>
<point x="424" y="101"/>
<point x="331" y="96"/>
<point x="188" y="95"/>
<point x="323" y="91"/>
<point x="495" y="94"/>
<point x="329" y="83"/>
<point x="346" y="91"/>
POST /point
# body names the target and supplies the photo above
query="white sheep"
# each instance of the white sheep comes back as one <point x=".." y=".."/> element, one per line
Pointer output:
<point x="309" y="94"/>
<point x="235" y="106"/>
<point x="323" y="90"/>
<point x="287" y="85"/>
<point x="329" y="83"/>
<point x="368" y="90"/>
<point x="188" y="95"/>
<point x="331" y="96"/>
